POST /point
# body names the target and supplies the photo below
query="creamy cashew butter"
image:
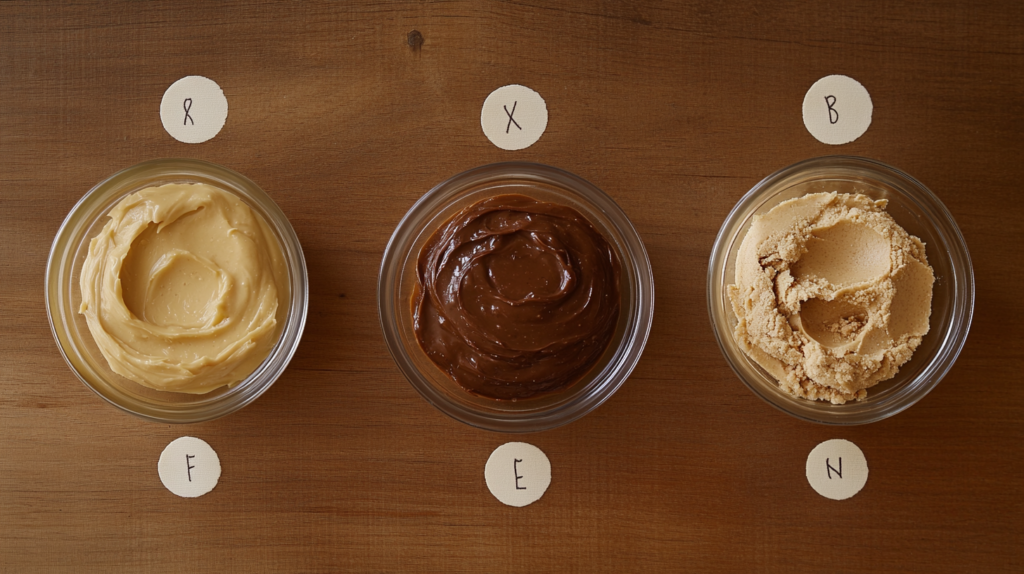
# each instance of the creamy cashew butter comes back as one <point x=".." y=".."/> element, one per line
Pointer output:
<point x="182" y="289"/>
<point x="832" y="296"/>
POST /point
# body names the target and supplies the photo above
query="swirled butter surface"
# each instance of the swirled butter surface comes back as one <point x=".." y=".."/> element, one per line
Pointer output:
<point x="182" y="288"/>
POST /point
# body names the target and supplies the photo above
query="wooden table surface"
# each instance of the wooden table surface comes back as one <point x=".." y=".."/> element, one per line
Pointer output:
<point x="675" y="110"/>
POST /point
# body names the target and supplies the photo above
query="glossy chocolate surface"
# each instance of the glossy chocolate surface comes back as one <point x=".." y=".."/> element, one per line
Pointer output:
<point x="516" y="297"/>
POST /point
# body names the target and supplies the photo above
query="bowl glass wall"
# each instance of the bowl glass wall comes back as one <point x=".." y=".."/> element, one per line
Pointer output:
<point x="398" y="279"/>
<point x="913" y="207"/>
<point x="63" y="295"/>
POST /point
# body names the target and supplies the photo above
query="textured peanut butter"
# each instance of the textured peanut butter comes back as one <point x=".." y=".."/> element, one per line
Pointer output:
<point x="181" y="288"/>
<point x="832" y="296"/>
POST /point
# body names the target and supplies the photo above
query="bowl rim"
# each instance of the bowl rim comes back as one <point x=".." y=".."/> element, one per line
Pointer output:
<point x="959" y="261"/>
<point x="295" y="323"/>
<point x="637" y="327"/>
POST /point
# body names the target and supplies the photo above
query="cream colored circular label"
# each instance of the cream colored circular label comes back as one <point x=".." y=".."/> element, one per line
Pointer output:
<point x="194" y="109"/>
<point x="189" y="467"/>
<point x="518" y="473"/>
<point x="837" y="110"/>
<point x="837" y="469"/>
<point x="514" y="117"/>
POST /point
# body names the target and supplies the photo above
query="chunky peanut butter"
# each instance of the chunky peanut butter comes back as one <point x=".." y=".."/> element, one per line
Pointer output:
<point x="832" y="296"/>
<point x="182" y="288"/>
<point x="516" y="297"/>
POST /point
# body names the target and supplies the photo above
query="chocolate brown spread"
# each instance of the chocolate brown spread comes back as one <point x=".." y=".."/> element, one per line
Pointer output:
<point x="516" y="297"/>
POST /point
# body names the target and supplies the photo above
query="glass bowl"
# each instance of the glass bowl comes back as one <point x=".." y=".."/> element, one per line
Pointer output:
<point x="913" y="207"/>
<point x="63" y="296"/>
<point x="398" y="278"/>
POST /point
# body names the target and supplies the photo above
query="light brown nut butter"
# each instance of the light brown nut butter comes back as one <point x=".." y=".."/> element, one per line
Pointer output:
<point x="832" y="296"/>
<point x="181" y="288"/>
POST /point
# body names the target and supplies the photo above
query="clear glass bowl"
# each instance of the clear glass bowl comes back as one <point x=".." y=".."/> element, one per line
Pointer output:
<point x="918" y="211"/>
<point x="63" y="296"/>
<point x="398" y="279"/>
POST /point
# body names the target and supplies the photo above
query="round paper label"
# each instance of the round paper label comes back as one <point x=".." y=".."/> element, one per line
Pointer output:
<point x="837" y="110"/>
<point x="518" y="473"/>
<point x="193" y="109"/>
<point x="514" y="117"/>
<point x="837" y="469"/>
<point x="189" y="467"/>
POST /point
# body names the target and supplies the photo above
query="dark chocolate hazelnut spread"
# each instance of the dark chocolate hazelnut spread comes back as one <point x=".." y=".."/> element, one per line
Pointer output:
<point x="516" y="297"/>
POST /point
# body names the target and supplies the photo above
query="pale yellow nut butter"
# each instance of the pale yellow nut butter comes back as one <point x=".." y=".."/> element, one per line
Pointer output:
<point x="185" y="288"/>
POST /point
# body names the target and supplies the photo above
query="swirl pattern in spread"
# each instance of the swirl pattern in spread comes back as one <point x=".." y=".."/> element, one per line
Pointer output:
<point x="181" y="288"/>
<point x="516" y="297"/>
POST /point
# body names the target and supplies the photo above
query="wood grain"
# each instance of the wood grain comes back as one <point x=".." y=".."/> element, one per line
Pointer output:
<point x="675" y="109"/>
